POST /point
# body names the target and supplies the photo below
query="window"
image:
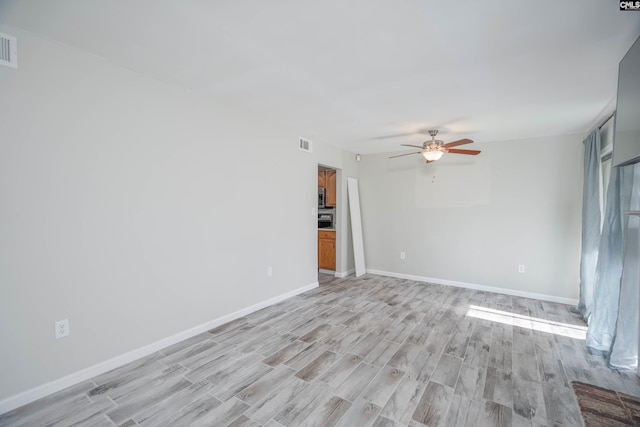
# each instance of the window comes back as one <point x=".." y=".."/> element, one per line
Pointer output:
<point x="606" y="151"/>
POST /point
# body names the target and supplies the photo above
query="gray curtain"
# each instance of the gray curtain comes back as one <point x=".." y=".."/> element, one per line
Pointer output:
<point x="591" y="223"/>
<point x="604" y="314"/>
<point x="613" y="325"/>
<point x="624" y="353"/>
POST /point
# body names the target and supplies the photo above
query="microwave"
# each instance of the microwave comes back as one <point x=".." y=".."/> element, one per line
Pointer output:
<point x="322" y="197"/>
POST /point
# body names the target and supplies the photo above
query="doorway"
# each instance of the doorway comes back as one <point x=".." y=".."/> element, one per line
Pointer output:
<point x="328" y="221"/>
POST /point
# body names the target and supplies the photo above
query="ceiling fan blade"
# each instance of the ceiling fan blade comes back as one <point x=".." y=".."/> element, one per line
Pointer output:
<point x="406" y="154"/>
<point x="414" y="146"/>
<point x="458" y="142"/>
<point x="458" y="151"/>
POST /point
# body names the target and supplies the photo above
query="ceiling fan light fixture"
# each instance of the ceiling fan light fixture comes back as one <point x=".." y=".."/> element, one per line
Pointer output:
<point x="434" y="149"/>
<point x="432" y="156"/>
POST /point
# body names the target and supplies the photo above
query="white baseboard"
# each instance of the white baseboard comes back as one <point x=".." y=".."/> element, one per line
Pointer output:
<point x="513" y="292"/>
<point x="344" y="274"/>
<point x="43" y="390"/>
<point x="324" y="271"/>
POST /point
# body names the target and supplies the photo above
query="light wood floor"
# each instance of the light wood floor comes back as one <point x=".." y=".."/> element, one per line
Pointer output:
<point x="354" y="352"/>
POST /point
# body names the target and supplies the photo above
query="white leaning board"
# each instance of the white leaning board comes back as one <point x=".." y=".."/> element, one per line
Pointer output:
<point x="356" y="226"/>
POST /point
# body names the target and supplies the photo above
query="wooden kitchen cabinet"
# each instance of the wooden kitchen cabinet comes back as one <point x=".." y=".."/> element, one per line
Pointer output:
<point x="327" y="250"/>
<point x="322" y="179"/>
<point x="330" y="181"/>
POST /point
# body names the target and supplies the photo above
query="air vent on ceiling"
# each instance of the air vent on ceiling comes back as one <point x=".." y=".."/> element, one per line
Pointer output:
<point x="305" y="145"/>
<point x="8" y="50"/>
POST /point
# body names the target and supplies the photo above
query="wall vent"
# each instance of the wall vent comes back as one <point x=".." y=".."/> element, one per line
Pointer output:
<point x="305" y="145"/>
<point x="8" y="50"/>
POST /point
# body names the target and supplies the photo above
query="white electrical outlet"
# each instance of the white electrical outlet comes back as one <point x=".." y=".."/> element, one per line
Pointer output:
<point x="521" y="268"/>
<point x="269" y="271"/>
<point x="402" y="255"/>
<point x="62" y="328"/>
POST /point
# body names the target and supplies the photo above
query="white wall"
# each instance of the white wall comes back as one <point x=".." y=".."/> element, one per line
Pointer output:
<point x="475" y="219"/>
<point x="137" y="210"/>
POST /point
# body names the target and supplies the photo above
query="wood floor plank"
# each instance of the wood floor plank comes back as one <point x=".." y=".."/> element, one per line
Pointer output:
<point x="433" y="405"/>
<point x="404" y="357"/>
<point x="336" y="374"/>
<point x="560" y="406"/>
<point x="344" y="342"/>
<point x="165" y="410"/>
<point x="257" y="390"/>
<point x="523" y="343"/>
<point x="447" y="370"/>
<point x="382" y="352"/>
<point x="336" y="315"/>
<point x="253" y="337"/>
<point x="275" y="400"/>
<point x="419" y="334"/>
<point x="297" y="409"/>
<point x="383" y="385"/>
<point x="267" y="346"/>
<point x="307" y="327"/>
<point x="316" y="333"/>
<point x="222" y="415"/>
<point x="243" y="421"/>
<point x="285" y="353"/>
<point x="306" y="356"/>
<point x="317" y="366"/>
<point x="239" y="380"/>
<point x="500" y="356"/>
<point x="498" y="386"/>
<point x="361" y="414"/>
<point x="482" y="334"/>
<point x="551" y="370"/>
<point x="457" y="345"/>
<point x="525" y="366"/>
<point x="217" y="352"/>
<point x="465" y="325"/>
<point x="131" y="405"/>
<point x="86" y="414"/>
<point x="213" y="365"/>
<point x="385" y="422"/>
<point x="132" y="385"/>
<point x="225" y="337"/>
<point x="131" y="379"/>
<point x="197" y="348"/>
<point x="397" y="331"/>
<point x="528" y="402"/>
<point x="234" y="323"/>
<point x="477" y="353"/>
<point x="235" y="369"/>
<point x="365" y="345"/>
<point x="423" y="366"/>
<point x="495" y="415"/>
<point x="326" y="413"/>
<point x="357" y="381"/>
<point x="404" y="400"/>
<point x="458" y="412"/>
<point x="361" y="322"/>
<point x="471" y="382"/>
<point x="436" y="342"/>
<point x="99" y="421"/>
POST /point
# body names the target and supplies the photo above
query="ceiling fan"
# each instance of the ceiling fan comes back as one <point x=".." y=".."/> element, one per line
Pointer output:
<point x="434" y="149"/>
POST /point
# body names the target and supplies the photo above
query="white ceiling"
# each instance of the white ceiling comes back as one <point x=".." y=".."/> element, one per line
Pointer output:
<point x="366" y="75"/>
